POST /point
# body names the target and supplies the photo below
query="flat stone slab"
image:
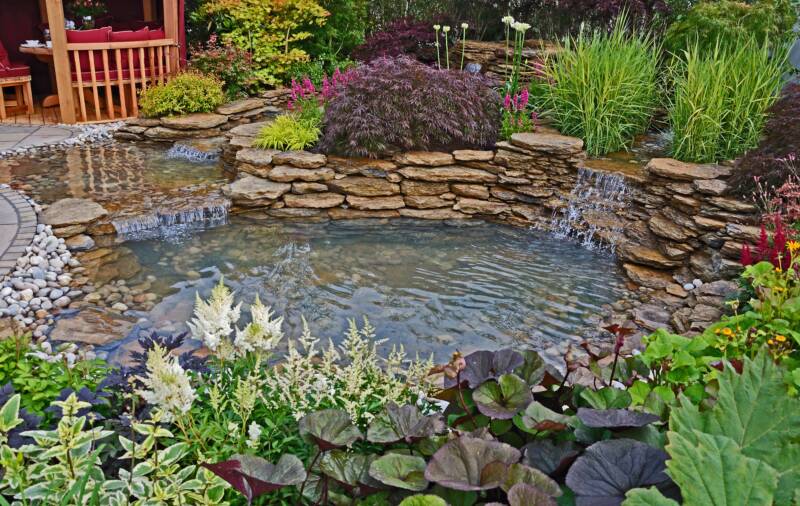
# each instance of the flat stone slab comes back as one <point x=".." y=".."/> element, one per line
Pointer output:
<point x="682" y="171"/>
<point x="254" y="190"/>
<point x="199" y="121"/>
<point x="73" y="211"/>
<point x="248" y="129"/>
<point x="551" y="143"/>
<point x="425" y="158"/>
<point x="92" y="326"/>
<point x="255" y="156"/>
<point x="14" y="137"/>
<point x="240" y="106"/>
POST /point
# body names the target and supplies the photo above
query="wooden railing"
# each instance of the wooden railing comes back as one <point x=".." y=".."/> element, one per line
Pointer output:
<point x="117" y="72"/>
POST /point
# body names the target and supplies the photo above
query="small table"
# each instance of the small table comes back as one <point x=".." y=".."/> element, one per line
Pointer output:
<point x="45" y="55"/>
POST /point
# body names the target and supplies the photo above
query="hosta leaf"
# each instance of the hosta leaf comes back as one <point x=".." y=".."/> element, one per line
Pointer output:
<point x="713" y="470"/>
<point x="503" y="398"/>
<point x="329" y="429"/>
<point x="469" y="463"/>
<point x="522" y="494"/>
<point x="615" y="418"/>
<point x="483" y="366"/>
<point x="349" y="469"/>
<point x="647" y="497"/>
<point x="520" y="473"/>
<point x="401" y="471"/>
<point x="755" y="411"/>
<point x="607" y="398"/>
<point x="423" y="500"/>
<point x="254" y="476"/>
<point x="608" y="469"/>
<point x="551" y="457"/>
<point x="406" y="423"/>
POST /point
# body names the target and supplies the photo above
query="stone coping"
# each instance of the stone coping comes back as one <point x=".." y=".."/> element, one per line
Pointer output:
<point x="17" y="227"/>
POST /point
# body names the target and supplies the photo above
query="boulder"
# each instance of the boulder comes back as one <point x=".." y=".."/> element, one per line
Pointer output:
<point x="426" y="201"/>
<point x="240" y="106"/>
<point x="375" y="203"/>
<point x="288" y="174"/>
<point x="424" y="158"/>
<point x="256" y="157"/>
<point x="548" y="143"/>
<point x="645" y="276"/>
<point x="92" y="326"/>
<point x="420" y="188"/>
<point x="253" y="191"/>
<point x="73" y="211"/>
<point x="453" y="173"/>
<point x="710" y="186"/>
<point x="300" y="159"/>
<point x="471" y="155"/>
<point x="314" y="200"/>
<point x="80" y="242"/>
<point x="476" y="206"/>
<point x="198" y="121"/>
<point x="683" y="171"/>
<point x="364" y="186"/>
<point x="645" y="256"/>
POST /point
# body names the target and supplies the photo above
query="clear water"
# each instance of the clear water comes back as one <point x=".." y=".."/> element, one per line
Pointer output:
<point x="432" y="287"/>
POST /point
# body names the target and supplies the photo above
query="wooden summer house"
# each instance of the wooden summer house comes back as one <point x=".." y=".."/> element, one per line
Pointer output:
<point x="94" y="72"/>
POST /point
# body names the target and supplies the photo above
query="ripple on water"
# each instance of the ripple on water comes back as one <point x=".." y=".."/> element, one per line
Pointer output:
<point x="427" y="286"/>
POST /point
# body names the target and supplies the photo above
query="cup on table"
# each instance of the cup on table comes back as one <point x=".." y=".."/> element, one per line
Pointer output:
<point x="31" y="42"/>
<point x="49" y="43"/>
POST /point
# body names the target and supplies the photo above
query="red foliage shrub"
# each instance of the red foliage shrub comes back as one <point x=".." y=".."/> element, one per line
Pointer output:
<point x="402" y="37"/>
<point x="398" y="104"/>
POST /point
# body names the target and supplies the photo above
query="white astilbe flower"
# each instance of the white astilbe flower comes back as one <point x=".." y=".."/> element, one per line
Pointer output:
<point x="508" y="20"/>
<point x="253" y="435"/>
<point x="263" y="334"/>
<point x="167" y="386"/>
<point x="214" y="320"/>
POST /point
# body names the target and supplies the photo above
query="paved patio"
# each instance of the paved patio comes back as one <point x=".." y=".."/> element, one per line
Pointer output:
<point x="28" y="136"/>
<point x="17" y="228"/>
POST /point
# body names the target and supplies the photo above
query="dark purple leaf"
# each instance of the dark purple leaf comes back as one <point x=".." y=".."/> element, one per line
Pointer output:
<point x="483" y="366"/>
<point x="329" y="429"/>
<point x="551" y="457"/>
<point x="468" y="463"/>
<point x="254" y="476"/>
<point x="404" y="423"/>
<point x="615" y="418"/>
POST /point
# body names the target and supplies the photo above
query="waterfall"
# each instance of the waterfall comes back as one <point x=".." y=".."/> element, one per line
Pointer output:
<point x="210" y="214"/>
<point x="589" y="213"/>
<point x="186" y="152"/>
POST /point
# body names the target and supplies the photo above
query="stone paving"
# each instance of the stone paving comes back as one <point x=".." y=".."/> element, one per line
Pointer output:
<point x="17" y="228"/>
<point x="14" y="137"/>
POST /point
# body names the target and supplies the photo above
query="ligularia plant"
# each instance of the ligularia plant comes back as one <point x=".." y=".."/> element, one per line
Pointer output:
<point x="262" y="334"/>
<point x="167" y="385"/>
<point x="214" y="320"/>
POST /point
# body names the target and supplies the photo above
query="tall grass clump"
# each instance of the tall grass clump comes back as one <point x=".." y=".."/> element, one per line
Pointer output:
<point x="604" y="87"/>
<point x="720" y="99"/>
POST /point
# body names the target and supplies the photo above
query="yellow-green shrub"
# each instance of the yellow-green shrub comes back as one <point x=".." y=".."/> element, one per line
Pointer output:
<point x="186" y="93"/>
<point x="269" y="29"/>
<point x="288" y="132"/>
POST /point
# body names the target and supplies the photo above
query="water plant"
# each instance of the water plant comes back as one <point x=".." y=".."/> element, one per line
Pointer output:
<point x="719" y="106"/>
<point x="604" y="87"/>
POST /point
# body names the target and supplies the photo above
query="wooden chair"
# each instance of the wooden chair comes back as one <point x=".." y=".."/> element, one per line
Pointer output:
<point x="17" y="76"/>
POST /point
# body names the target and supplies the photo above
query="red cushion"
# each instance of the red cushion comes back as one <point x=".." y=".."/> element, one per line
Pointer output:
<point x="4" y="59"/>
<point x="158" y="34"/>
<point x="14" y="70"/>
<point x="129" y="36"/>
<point x="89" y="37"/>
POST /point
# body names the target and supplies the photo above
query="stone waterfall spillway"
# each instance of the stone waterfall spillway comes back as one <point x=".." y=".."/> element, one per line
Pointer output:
<point x="186" y="152"/>
<point x="589" y="211"/>
<point x="211" y="213"/>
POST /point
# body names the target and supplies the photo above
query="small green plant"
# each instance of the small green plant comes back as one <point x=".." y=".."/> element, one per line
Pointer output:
<point x="186" y="93"/>
<point x="288" y="132"/>
<point x="604" y="88"/>
<point x="719" y="105"/>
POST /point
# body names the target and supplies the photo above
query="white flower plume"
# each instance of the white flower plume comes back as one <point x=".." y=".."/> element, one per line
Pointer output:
<point x="167" y="386"/>
<point x="214" y="320"/>
<point x="263" y="334"/>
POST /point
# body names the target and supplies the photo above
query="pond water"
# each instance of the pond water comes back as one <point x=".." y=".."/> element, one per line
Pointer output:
<point x="431" y="287"/>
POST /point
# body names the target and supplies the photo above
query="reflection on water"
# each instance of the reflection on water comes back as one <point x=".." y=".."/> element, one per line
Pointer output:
<point x="127" y="179"/>
<point x="428" y="286"/>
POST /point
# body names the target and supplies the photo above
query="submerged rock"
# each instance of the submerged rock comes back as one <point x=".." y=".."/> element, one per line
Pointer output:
<point x="92" y="326"/>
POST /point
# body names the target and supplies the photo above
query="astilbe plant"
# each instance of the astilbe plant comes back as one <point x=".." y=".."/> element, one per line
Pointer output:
<point x="396" y="104"/>
<point x="516" y="115"/>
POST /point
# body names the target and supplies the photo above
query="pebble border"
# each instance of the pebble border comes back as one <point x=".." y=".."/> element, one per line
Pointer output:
<point x="82" y="134"/>
<point x="26" y="228"/>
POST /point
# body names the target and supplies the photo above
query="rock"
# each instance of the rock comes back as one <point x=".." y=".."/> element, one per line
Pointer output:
<point x="710" y="186"/>
<point x="651" y="317"/>
<point x="314" y="200"/>
<point x="420" y="188"/>
<point x="252" y="191"/>
<point x="173" y="134"/>
<point x="69" y="230"/>
<point x="91" y="326"/>
<point x="677" y="290"/>
<point x="426" y="201"/>
<point x="80" y="243"/>
<point x="363" y="166"/>
<point x="476" y="206"/>
<point x="744" y="233"/>
<point x="707" y="223"/>
<point x="733" y="205"/>
<point x="646" y="256"/>
<point x="425" y="158"/>
<point x="288" y="174"/>
<point x="682" y="171"/>
<point x="528" y="213"/>
<point x="645" y="276"/>
<point x="473" y="191"/>
<point x="703" y="313"/>
<point x="433" y="214"/>
<point x="548" y="143"/>
<point x="719" y="288"/>
<point x="248" y="129"/>
<point x="119" y="306"/>
<point x="62" y="301"/>
<point x="294" y="212"/>
<point x="212" y="146"/>
<point x="338" y="213"/>
<point x="256" y="157"/>
<point x="664" y="227"/>
<point x="303" y="188"/>
<point x="470" y="155"/>
<point x="364" y="186"/>
<point x="375" y="203"/>
<point x="196" y="121"/>
<point x="534" y="191"/>
<point x="453" y="173"/>
<point x="72" y="211"/>
<point x="300" y="159"/>
<point x="240" y="106"/>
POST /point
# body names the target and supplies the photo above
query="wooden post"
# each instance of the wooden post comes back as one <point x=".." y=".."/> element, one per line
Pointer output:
<point x="58" y="34"/>
<point x="149" y="9"/>
<point x="171" y="29"/>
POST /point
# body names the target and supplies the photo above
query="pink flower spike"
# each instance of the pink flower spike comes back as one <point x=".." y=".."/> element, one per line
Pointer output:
<point x="507" y="102"/>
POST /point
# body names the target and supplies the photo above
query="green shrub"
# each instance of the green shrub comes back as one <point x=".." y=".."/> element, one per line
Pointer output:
<point x="728" y="22"/>
<point x="720" y="100"/>
<point x="287" y="133"/>
<point x="186" y="93"/>
<point x="604" y="88"/>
